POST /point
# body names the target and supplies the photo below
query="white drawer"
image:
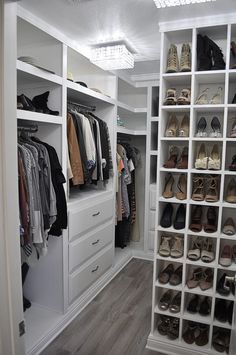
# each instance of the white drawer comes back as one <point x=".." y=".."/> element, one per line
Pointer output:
<point x="152" y="199"/>
<point x="83" y="248"/>
<point x="152" y="220"/>
<point x="80" y="280"/>
<point x="83" y="220"/>
<point x="151" y="236"/>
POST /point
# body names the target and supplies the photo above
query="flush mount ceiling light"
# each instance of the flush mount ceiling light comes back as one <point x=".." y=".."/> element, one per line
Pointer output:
<point x="169" y="3"/>
<point x="112" y="57"/>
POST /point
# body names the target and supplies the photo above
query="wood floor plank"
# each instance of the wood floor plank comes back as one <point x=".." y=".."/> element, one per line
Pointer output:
<point x="116" y="322"/>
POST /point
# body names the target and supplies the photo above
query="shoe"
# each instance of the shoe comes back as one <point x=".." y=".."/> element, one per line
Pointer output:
<point x="26" y="303"/>
<point x="201" y="128"/>
<point x="205" y="308"/>
<point x="229" y="227"/>
<point x="189" y="334"/>
<point x="234" y="253"/>
<point x="214" y="158"/>
<point x="172" y="60"/>
<point x="183" y="162"/>
<point x="221" y="340"/>
<point x="24" y="103"/>
<point x="221" y="310"/>
<point x="217" y="55"/>
<point x="232" y="166"/>
<point x="203" y="337"/>
<point x="217" y="98"/>
<point x="172" y="126"/>
<point x="195" y="278"/>
<point x="198" y="188"/>
<point x="179" y="222"/>
<point x="185" y="59"/>
<point x="233" y="129"/>
<point x="212" y="188"/>
<point x="40" y="103"/>
<point x="176" y="277"/>
<point x="203" y="98"/>
<point x="177" y="249"/>
<point x="193" y="304"/>
<point x="220" y="287"/>
<point x="166" y="218"/>
<point x="170" y="97"/>
<point x="211" y="225"/>
<point x="164" y="248"/>
<point x="194" y="252"/>
<point x="182" y="187"/>
<point x="185" y="97"/>
<point x="165" y="274"/>
<point x="196" y="216"/>
<point x="173" y="331"/>
<point x="175" y="303"/>
<point x="168" y="190"/>
<point x="164" y="325"/>
<point x="216" y="128"/>
<point x="206" y="281"/>
<point x="231" y="191"/>
<point x="201" y="159"/>
<point x="183" y="130"/>
<point x="207" y="252"/>
<point x="225" y="256"/>
<point x="165" y="300"/>
<point x="173" y="157"/>
<point x="230" y="312"/>
<point x="203" y="54"/>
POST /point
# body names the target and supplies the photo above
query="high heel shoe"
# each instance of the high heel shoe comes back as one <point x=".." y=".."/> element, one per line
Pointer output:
<point x="173" y="157"/>
<point x="215" y="125"/>
<point x="169" y="181"/>
<point x="205" y="308"/>
<point x="212" y="188"/>
<point x="233" y="129"/>
<point x="196" y="216"/>
<point x="164" y="248"/>
<point x="202" y="98"/>
<point x="217" y="98"/>
<point x="232" y="166"/>
<point x="195" y="278"/>
<point x="231" y="191"/>
<point x="166" y="218"/>
<point x="229" y="227"/>
<point x="225" y="256"/>
<point x="214" y="158"/>
<point x="182" y="186"/>
<point x="194" y="252"/>
<point x="207" y="253"/>
<point x="184" y="127"/>
<point x="179" y="222"/>
<point x="172" y="126"/>
<point x="183" y="163"/>
<point x="211" y="225"/>
<point x="198" y="188"/>
<point x="201" y="128"/>
<point x="206" y="281"/>
<point x="201" y="160"/>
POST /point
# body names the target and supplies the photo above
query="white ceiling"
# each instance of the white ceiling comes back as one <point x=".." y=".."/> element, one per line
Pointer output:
<point x="92" y="21"/>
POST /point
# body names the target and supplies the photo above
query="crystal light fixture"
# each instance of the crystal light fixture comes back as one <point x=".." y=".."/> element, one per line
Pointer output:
<point x="169" y="3"/>
<point x="112" y="57"/>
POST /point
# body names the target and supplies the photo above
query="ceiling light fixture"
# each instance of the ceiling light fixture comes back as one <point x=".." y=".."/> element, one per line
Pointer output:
<point x="112" y="57"/>
<point x="169" y="3"/>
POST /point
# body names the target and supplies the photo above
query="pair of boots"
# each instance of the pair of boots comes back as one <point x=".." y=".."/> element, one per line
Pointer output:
<point x="38" y="104"/>
<point x="173" y="61"/>
<point x="209" y="55"/>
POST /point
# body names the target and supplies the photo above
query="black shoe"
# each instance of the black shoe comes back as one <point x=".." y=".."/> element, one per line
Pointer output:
<point x="193" y="304"/>
<point x="24" y="103"/>
<point x="220" y="286"/>
<point x="234" y="99"/>
<point x="40" y="102"/>
<point x="230" y="312"/>
<point x="216" y="126"/>
<point x="203" y="54"/>
<point x="201" y="127"/>
<point x="217" y="55"/>
<point x="205" y="308"/>
<point x="179" y="222"/>
<point x="221" y="311"/>
<point x="166" y="218"/>
<point x="26" y="303"/>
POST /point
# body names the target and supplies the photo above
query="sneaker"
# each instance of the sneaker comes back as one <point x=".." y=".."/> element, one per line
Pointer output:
<point x="172" y="60"/>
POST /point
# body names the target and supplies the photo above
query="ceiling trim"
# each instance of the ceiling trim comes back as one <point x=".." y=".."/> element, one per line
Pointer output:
<point x="223" y="19"/>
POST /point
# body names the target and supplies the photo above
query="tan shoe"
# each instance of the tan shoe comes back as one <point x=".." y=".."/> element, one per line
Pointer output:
<point x="185" y="59"/>
<point x="184" y="127"/>
<point x="214" y="158"/>
<point x="201" y="159"/>
<point x="212" y="188"/>
<point x="231" y="191"/>
<point x="182" y="186"/>
<point x="172" y="126"/>
<point x="185" y="97"/>
<point x="170" y="97"/>
<point x="172" y="60"/>
<point x="168" y="190"/>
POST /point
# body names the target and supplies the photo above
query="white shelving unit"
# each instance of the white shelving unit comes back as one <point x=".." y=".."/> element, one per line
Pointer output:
<point x="222" y="34"/>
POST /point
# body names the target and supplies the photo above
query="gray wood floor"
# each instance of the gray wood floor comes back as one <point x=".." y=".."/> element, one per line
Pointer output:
<point x="116" y="322"/>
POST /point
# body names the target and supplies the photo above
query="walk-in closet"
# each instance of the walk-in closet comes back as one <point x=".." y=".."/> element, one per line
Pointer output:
<point x="117" y="177"/>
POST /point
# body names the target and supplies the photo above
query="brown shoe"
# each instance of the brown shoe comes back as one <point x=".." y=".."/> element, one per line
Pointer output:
<point x="196" y="223"/>
<point x="168" y="190"/>
<point x="198" y="188"/>
<point x="182" y="186"/>
<point x="229" y="227"/>
<point x="173" y="157"/>
<point x="231" y="191"/>
<point x="203" y="338"/>
<point x="183" y="163"/>
<point x="165" y="274"/>
<point x="206" y="281"/>
<point x="212" y="188"/>
<point x="170" y="97"/>
<point x="176" y="277"/>
<point x="211" y="225"/>
<point x="189" y="334"/>
<point x="195" y="278"/>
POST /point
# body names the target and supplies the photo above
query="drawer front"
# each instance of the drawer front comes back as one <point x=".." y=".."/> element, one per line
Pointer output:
<point x="81" y="221"/>
<point x="85" y="247"/>
<point x="152" y="199"/>
<point x="151" y="236"/>
<point x="81" y="280"/>
<point x="152" y="220"/>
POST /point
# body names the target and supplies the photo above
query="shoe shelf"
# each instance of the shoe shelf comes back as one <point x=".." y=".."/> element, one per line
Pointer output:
<point x="171" y="230"/>
<point x="38" y="117"/>
<point x="173" y="139"/>
<point x="204" y="203"/>
<point x="179" y="171"/>
<point x="176" y="108"/>
<point x="172" y="200"/>
<point x="168" y="286"/>
<point x="169" y="259"/>
<point x="166" y="313"/>
<point x="197" y="291"/>
<point x="222" y="324"/>
<point x="201" y="263"/>
<point x="197" y="317"/>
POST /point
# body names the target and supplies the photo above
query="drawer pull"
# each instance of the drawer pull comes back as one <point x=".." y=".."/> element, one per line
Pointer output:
<point x="97" y="241"/>
<point x="96" y="214"/>
<point x="96" y="268"/>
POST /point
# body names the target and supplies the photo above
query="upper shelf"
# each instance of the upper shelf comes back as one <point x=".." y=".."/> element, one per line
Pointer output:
<point x="131" y="109"/>
<point x="85" y="95"/>
<point x="38" y="117"/>
<point x="31" y="73"/>
<point x="131" y="131"/>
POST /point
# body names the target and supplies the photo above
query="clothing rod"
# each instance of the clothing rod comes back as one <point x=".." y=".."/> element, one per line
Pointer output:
<point x="90" y="108"/>
<point x="29" y="128"/>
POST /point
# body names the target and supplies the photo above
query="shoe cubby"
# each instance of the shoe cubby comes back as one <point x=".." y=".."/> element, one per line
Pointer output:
<point x="176" y="125"/>
<point x="167" y="327"/>
<point x="199" y="280"/>
<point x="221" y="340"/>
<point x="170" y="246"/>
<point x="209" y="91"/>
<point x="173" y="187"/>
<point x="175" y="94"/>
<point x="208" y="125"/>
<point x="198" y="307"/>
<point x="203" y="220"/>
<point x="174" y="155"/>
<point x="211" y="48"/>
<point x="227" y="293"/>
<point x="223" y="312"/>
<point x="201" y="251"/>
<point x="205" y="189"/>
<point x="168" y="302"/>
<point x="196" y="335"/>
<point x="207" y="156"/>
<point x="172" y="216"/>
<point x="169" y="274"/>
